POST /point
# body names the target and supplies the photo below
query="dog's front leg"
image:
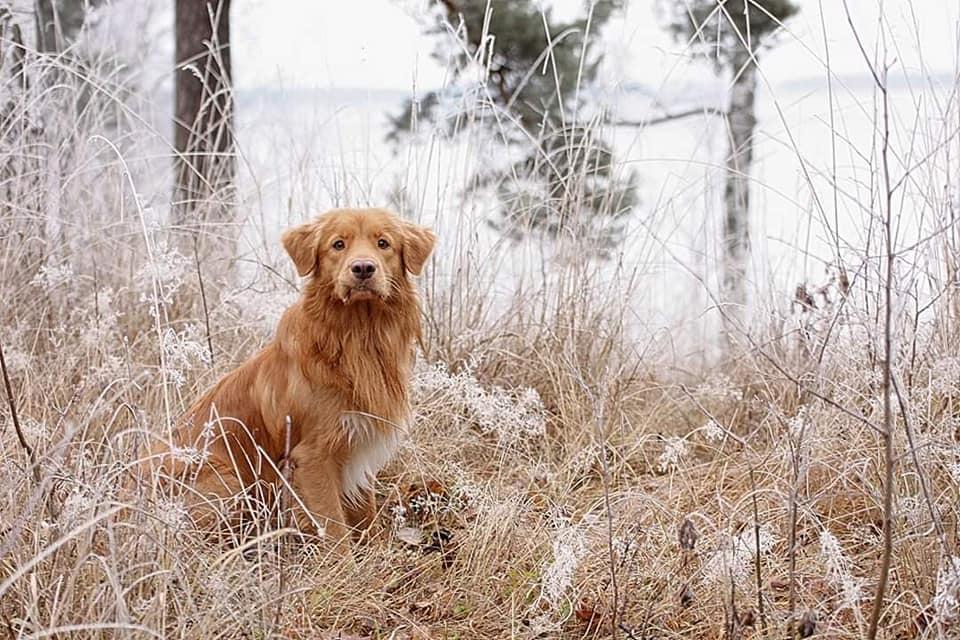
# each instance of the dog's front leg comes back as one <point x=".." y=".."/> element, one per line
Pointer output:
<point x="361" y="511"/>
<point x="317" y="481"/>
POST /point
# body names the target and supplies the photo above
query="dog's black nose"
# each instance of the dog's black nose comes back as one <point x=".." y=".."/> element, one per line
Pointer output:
<point x="363" y="269"/>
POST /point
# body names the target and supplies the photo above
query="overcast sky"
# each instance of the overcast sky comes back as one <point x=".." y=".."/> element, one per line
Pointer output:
<point x="378" y="43"/>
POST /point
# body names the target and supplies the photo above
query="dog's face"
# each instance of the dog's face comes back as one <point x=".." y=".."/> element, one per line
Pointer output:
<point x="359" y="254"/>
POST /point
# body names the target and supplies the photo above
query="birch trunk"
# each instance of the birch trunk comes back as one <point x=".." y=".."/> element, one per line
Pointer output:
<point x="741" y="121"/>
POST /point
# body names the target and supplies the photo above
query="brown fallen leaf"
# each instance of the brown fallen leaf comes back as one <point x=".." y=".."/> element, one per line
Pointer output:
<point x="808" y="624"/>
<point x="923" y="621"/>
<point x="688" y="535"/>
<point x="779" y="584"/>
<point x="423" y="608"/>
<point x="434" y="487"/>
<point x="591" y="614"/>
<point x="341" y="635"/>
<point x="428" y="487"/>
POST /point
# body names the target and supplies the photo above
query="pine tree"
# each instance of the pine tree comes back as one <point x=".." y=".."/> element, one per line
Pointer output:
<point x="539" y="70"/>
<point x="732" y="34"/>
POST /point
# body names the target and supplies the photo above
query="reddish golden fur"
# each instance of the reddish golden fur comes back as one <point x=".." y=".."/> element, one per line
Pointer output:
<point x="339" y="366"/>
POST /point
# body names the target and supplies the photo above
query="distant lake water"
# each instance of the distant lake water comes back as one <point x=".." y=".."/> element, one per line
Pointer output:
<point x="814" y="181"/>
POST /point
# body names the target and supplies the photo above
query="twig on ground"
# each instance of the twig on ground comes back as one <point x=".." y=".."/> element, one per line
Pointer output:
<point x="880" y="82"/>
<point x="284" y="516"/>
<point x="12" y="403"/>
<point x="203" y="299"/>
<point x="757" y="564"/>
<point x="609" y="512"/>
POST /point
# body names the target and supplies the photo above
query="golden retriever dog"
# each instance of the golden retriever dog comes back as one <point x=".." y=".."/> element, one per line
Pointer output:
<point x="338" y="370"/>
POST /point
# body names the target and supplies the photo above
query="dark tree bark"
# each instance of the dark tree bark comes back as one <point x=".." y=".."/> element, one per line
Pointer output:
<point x="203" y="120"/>
<point x="59" y="21"/>
<point x="46" y="21"/>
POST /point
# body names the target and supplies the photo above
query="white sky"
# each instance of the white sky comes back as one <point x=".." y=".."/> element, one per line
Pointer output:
<point x="378" y="43"/>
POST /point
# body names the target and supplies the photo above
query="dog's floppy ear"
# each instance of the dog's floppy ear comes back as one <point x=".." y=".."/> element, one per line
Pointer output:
<point x="301" y="243"/>
<point x="418" y="243"/>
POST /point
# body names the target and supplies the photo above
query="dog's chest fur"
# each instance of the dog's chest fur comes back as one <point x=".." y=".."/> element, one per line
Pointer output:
<point x="371" y="446"/>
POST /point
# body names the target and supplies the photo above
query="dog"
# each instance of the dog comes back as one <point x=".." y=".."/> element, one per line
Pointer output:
<point x="334" y="381"/>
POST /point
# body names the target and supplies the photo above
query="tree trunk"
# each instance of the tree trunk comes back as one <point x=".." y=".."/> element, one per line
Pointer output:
<point x="741" y="121"/>
<point x="203" y="119"/>
<point x="46" y="21"/>
<point x="59" y="21"/>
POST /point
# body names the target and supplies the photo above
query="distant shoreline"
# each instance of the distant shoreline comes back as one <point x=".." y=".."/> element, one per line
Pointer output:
<point x="860" y="81"/>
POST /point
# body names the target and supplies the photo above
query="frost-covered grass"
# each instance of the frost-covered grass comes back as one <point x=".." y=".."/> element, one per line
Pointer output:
<point x="493" y="520"/>
<point x="562" y="478"/>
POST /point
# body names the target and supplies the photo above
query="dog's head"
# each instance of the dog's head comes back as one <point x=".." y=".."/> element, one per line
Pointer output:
<point x="359" y="254"/>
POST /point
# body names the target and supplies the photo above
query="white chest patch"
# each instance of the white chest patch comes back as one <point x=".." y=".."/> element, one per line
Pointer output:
<point x="370" y="450"/>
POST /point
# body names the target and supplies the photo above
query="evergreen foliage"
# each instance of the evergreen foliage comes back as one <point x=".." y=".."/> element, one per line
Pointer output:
<point x="560" y="174"/>
<point x="721" y="30"/>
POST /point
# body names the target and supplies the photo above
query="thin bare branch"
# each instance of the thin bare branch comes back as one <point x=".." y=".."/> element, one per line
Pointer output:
<point x="669" y="117"/>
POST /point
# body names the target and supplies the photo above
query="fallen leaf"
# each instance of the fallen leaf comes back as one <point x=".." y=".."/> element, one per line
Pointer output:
<point x="779" y="584"/>
<point x="434" y="487"/>
<point x="923" y="621"/>
<point x="585" y="610"/>
<point x="340" y="635"/>
<point x="808" y="624"/>
<point x="688" y="535"/>
<point x="410" y="535"/>
<point x="439" y="540"/>
<point x="590" y="614"/>
<point x="422" y="608"/>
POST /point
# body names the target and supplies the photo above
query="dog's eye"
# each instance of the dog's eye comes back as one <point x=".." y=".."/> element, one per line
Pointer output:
<point x="383" y="244"/>
<point x="339" y="245"/>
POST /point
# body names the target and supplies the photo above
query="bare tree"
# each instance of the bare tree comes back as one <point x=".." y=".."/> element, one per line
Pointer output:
<point x="203" y="120"/>
<point x="732" y="33"/>
<point x="59" y="21"/>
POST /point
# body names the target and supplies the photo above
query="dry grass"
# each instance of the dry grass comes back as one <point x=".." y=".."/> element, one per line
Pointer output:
<point x="560" y="479"/>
